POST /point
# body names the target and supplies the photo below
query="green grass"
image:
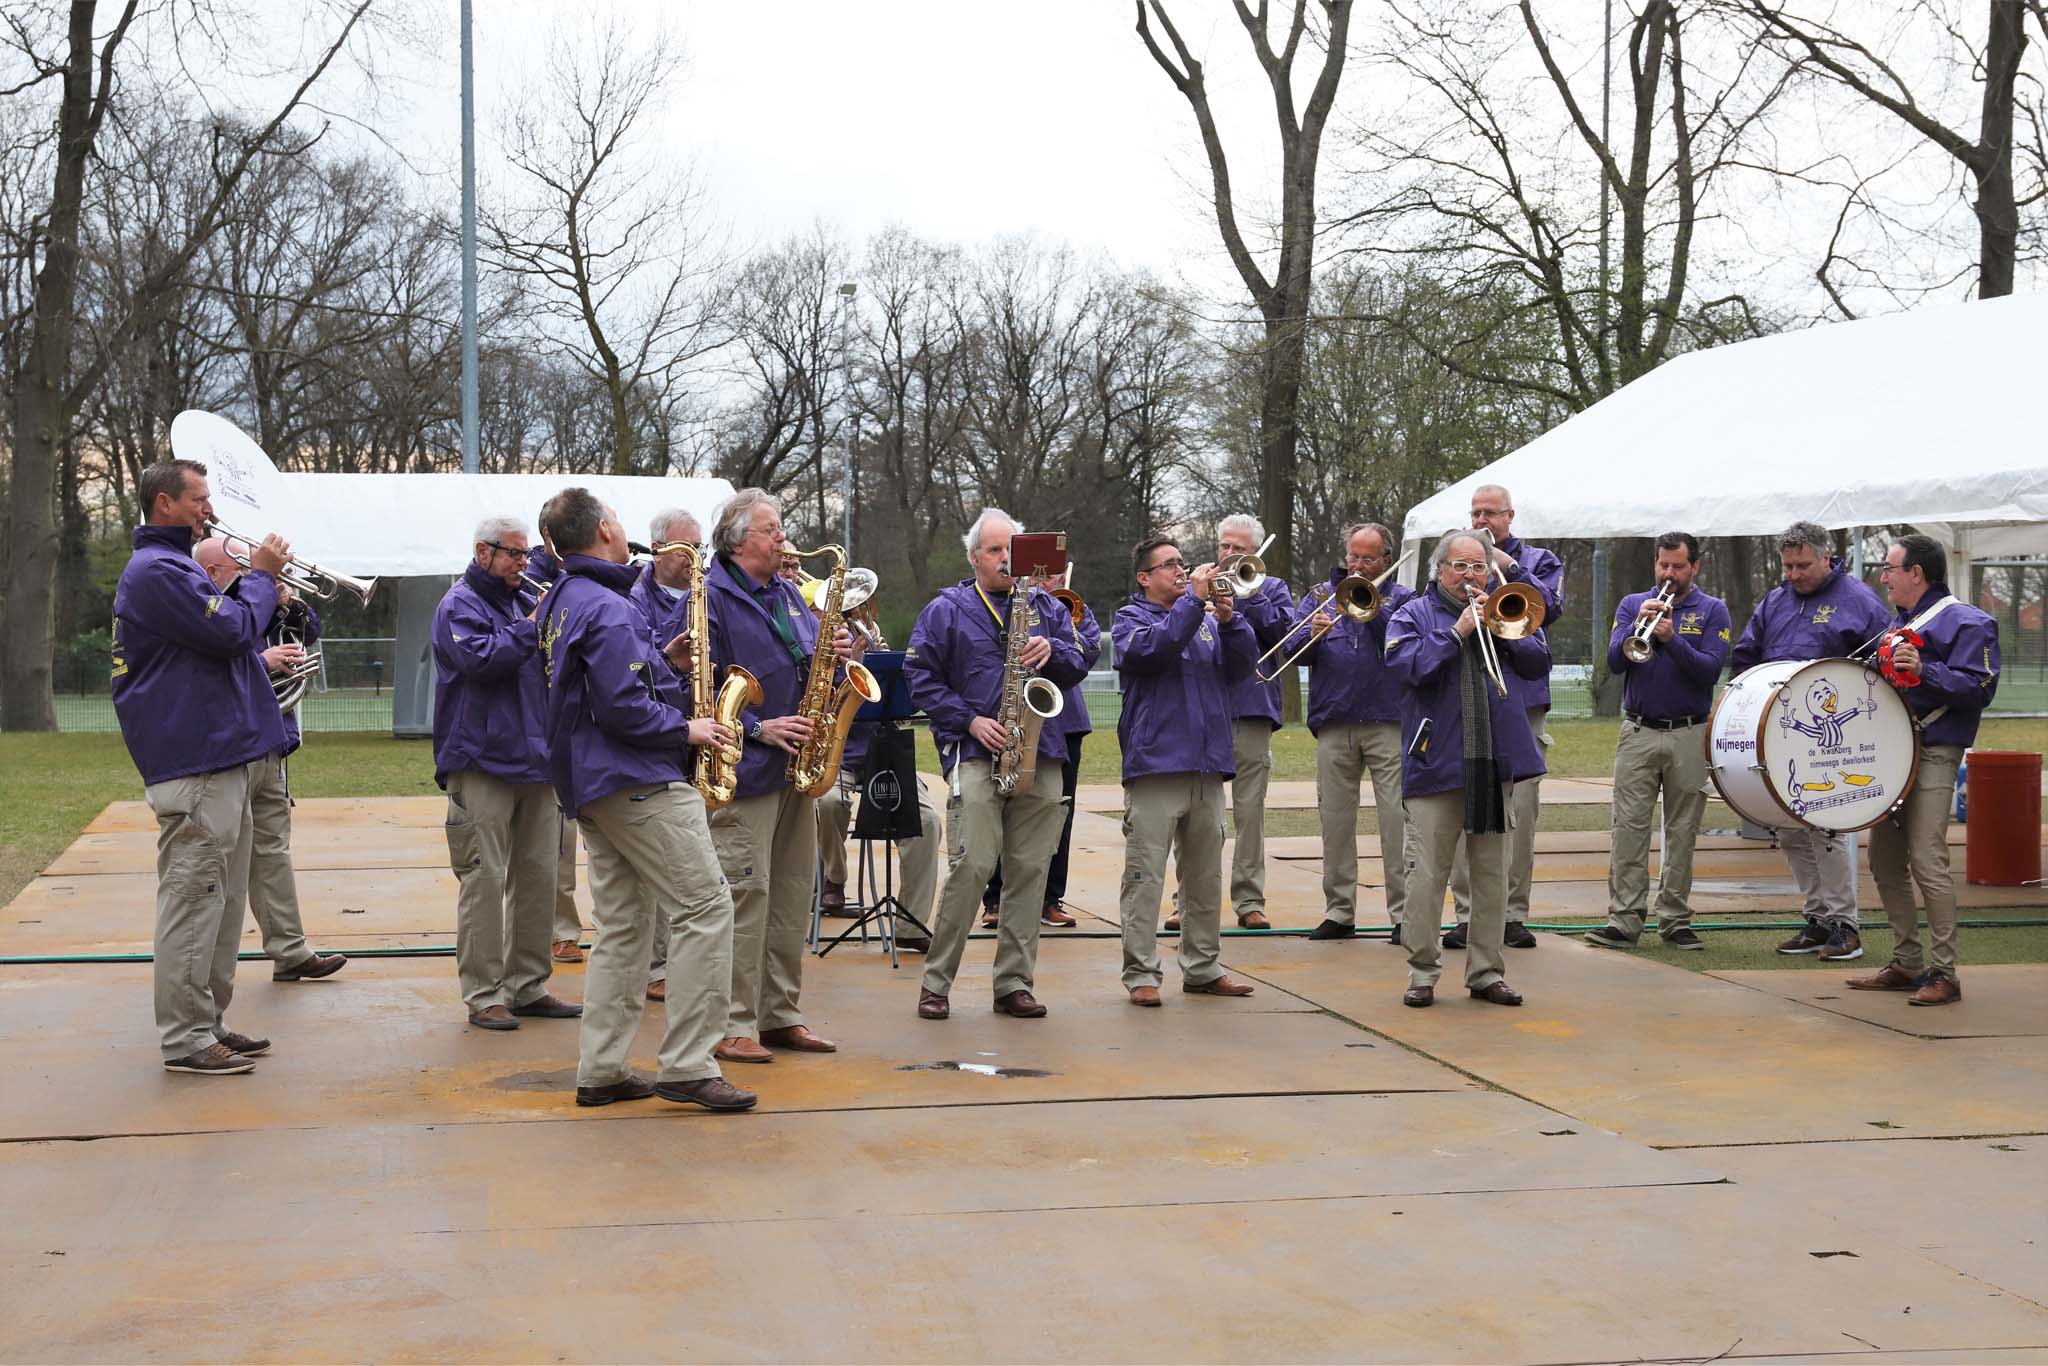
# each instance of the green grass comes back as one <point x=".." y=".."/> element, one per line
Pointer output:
<point x="1743" y="950"/>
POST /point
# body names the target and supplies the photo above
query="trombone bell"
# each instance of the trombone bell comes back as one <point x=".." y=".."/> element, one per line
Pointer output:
<point x="1512" y="612"/>
<point x="1241" y="575"/>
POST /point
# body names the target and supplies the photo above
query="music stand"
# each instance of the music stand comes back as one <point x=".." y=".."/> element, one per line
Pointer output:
<point x="894" y="707"/>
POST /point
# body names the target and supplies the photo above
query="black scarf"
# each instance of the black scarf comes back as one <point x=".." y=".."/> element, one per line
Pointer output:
<point x="1485" y="803"/>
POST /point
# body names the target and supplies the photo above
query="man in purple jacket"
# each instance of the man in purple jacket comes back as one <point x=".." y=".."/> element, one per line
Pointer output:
<point x="663" y="602"/>
<point x="1661" y="749"/>
<point x="273" y="884"/>
<point x="1354" y="713"/>
<point x="1178" y="662"/>
<point x="1493" y="511"/>
<point x="767" y="838"/>
<point x="618" y="738"/>
<point x="1254" y="716"/>
<point x="1957" y="668"/>
<point x="955" y="669"/>
<point x="490" y="756"/>
<point x="567" y="934"/>
<point x="1468" y="745"/>
<point x="200" y="720"/>
<point x="1820" y="611"/>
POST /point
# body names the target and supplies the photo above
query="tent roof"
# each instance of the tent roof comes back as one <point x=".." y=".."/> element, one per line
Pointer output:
<point x="1930" y="416"/>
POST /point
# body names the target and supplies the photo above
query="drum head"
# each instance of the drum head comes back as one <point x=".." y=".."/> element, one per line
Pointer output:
<point x="1838" y="746"/>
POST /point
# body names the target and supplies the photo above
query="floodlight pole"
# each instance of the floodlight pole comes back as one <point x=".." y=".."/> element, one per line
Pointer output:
<point x="471" y="455"/>
<point x="846" y="293"/>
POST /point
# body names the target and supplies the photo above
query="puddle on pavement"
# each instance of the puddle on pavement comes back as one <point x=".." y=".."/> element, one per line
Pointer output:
<point x="562" y="1079"/>
<point x="980" y="1069"/>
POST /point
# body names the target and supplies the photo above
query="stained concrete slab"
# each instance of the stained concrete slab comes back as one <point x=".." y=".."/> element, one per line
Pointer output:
<point x="386" y="1040"/>
<point x="2000" y="1000"/>
<point x="1671" y="1057"/>
<point x="1515" y="1276"/>
<point x="1925" y="1195"/>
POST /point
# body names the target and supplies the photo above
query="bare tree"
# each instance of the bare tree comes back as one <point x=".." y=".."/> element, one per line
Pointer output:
<point x="612" y="252"/>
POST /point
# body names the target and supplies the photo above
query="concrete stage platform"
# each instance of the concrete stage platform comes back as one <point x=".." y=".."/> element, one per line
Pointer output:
<point x="1643" y="1164"/>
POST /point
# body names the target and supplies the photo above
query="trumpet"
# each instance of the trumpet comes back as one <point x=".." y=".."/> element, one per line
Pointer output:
<point x="1243" y="575"/>
<point x="1356" y="597"/>
<point x="302" y="576"/>
<point x="1637" y="647"/>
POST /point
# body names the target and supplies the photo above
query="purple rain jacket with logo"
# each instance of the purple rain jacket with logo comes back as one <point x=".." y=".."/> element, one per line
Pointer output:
<point x="1073" y="718"/>
<point x="1177" y="669"/>
<point x="617" y="715"/>
<point x="1268" y="612"/>
<point x="302" y="618"/>
<point x="1959" y="666"/>
<point x="1677" y="680"/>
<point x="1543" y="571"/>
<point x="1837" y="617"/>
<point x="542" y="565"/>
<point x="1348" y="681"/>
<point x="189" y="685"/>
<point x="1422" y="656"/>
<point x="667" y="614"/>
<point x="955" y="666"/>
<point x="490" y="693"/>
<point x="743" y="633"/>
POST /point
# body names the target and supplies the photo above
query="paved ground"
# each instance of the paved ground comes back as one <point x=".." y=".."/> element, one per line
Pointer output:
<point x="1643" y="1164"/>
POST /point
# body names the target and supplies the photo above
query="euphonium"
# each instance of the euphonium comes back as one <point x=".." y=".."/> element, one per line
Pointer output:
<point x="814" y="768"/>
<point x="716" y="774"/>
<point x="1028" y="700"/>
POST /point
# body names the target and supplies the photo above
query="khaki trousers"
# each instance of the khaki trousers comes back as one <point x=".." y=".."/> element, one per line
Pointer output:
<point x="1436" y="833"/>
<point x="203" y="837"/>
<point x="1648" y="761"/>
<point x="767" y="846"/>
<point x="273" y="885"/>
<point x="1251" y="743"/>
<point x="1523" y="808"/>
<point x="1162" y="813"/>
<point x="1825" y="868"/>
<point x="1910" y="849"/>
<point x="1346" y="754"/>
<point x="983" y="829"/>
<point x="502" y="843"/>
<point x="651" y="861"/>
<point x="568" y="925"/>
<point x="918" y="858"/>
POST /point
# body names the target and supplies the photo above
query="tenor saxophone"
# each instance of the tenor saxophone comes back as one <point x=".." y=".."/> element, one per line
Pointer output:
<point x="829" y="706"/>
<point x="1028" y="701"/>
<point x="716" y="772"/>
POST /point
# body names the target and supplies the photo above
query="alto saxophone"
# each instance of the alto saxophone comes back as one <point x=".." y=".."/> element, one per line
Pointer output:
<point x="716" y="772"/>
<point x="1028" y="700"/>
<point x="829" y="707"/>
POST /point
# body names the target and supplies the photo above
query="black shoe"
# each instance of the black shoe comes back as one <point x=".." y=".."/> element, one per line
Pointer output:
<point x="1684" y="938"/>
<point x="1843" y="944"/>
<point x="713" y="1093"/>
<point x="1395" y="937"/>
<point x="214" y="1060"/>
<point x="1812" y="939"/>
<point x="1419" y="997"/>
<point x="632" y="1088"/>
<point x="318" y="966"/>
<point x="1499" y="994"/>
<point x="1454" y="937"/>
<point x="242" y="1043"/>
<point x="1333" y="929"/>
<point x="1517" y="936"/>
<point x="1607" y="937"/>
<point x="548" y="1006"/>
<point x="913" y="943"/>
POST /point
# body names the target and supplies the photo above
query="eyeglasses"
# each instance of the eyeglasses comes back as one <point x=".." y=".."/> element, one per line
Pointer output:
<point x="1363" y="559"/>
<point x="1166" y="564"/>
<point x="517" y="553"/>
<point x="1885" y="569"/>
<point x="1465" y="566"/>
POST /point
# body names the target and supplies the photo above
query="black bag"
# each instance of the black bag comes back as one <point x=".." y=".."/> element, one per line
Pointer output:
<point x="888" y="787"/>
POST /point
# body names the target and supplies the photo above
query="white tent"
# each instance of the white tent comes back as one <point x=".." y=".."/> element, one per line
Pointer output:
<point x="1934" y="417"/>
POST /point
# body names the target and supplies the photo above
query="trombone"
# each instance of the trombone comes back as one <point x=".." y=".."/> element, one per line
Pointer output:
<point x="1512" y="612"/>
<point x="1243" y="575"/>
<point x="303" y="576"/>
<point x="1637" y="647"/>
<point x="1356" y="597"/>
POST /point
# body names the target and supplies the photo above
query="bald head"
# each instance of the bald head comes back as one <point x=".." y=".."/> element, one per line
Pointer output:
<point x="212" y="554"/>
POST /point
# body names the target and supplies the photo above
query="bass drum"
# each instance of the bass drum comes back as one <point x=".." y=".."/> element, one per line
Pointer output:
<point x="1812" y="744"/>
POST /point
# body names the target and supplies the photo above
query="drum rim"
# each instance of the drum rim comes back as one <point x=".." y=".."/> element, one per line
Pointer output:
<point x="1763" y="714"/>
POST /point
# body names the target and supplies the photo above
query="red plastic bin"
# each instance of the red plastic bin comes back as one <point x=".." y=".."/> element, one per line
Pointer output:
<point x="2004" y="844"/>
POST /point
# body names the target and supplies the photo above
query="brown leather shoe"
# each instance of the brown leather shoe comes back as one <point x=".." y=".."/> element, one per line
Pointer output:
<point x="548" y="1006"/>
<point x="1021" y="1004"/>
<point x="1218" y="986"/>
<point x="1144" y="996"/>
<point x="493" y="1017"/>
<point x="913" y="943"/>
<point x="657" y="991"/>
<point x="632" y="1088"/>
<point x="1254" y="920"/>
<point x="1172" y="922"/>
<point x="713" y="1093"/>
<point x="932" y="1006"/>
<point x="1939" y="989"/>
<point x="832" y="898"/>
<point x="566" y="951"/>
<point x="1499" y="994"/>
<point x="797" y="1038"/>
<point x="1056" y="916"/>
<point x="1419" y="997"/>
<point x="991" y="918"/>
<point x="739" y="1049"/>
<point x="1890" y="977"/>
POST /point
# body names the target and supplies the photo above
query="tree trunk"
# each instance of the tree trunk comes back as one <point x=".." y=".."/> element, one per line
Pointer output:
<point x="1998" y="216"/>
<point x="1278" y="440"/>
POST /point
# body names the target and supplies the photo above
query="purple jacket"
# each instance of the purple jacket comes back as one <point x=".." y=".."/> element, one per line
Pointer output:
<point x="541" y="564"/>
<point x="1422" y="656"/>
<point x="617" y="715"/>
<point x="306" y="621"/>
<point x="666" y="614"/>
<point x="188" y="680"/>
<point x="1348" y="681"/>
<point x="1177" y="670"/>
<point x="1544" y="572"/>
<point x="744" y="633"/>
<point x="1677" y="680"/>
<point x="1268" y="612"/>
<point x="955" y="665"/>
<point x="490" y="694"/>
<point x="1840" y="615"/>
<point x="1958" y="669"/>
<point x="1073" y="720"/>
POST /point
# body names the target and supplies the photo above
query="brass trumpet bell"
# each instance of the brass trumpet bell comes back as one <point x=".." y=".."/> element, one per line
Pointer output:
<point x="1240" y="576"/>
